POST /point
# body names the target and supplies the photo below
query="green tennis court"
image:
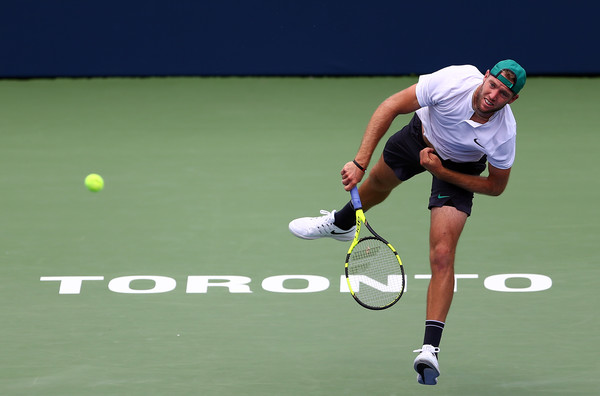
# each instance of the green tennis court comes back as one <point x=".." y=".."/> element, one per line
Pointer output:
<point x="181" y="278"/>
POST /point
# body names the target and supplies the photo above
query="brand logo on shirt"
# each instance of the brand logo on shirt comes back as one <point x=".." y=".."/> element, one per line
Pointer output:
<point x="477" y="143"/>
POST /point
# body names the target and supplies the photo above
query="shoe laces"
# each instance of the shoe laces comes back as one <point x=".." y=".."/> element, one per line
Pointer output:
<point x="324" y="225"/>
<point x="427" y="348"/>
<point x="327" y="213"/>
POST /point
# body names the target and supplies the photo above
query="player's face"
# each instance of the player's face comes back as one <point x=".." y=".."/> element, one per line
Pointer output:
<point x="492" y="96"/>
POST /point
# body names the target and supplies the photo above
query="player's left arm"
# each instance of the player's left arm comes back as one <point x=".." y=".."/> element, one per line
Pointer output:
<point x="492" y="184"/>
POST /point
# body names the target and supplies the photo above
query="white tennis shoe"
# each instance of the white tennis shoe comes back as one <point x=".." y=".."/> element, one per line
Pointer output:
<point x="426" y="365"/>
<point x="320" y="227"/>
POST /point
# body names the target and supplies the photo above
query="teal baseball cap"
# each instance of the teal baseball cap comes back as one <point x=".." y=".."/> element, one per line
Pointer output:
<point x="509" y="64"/>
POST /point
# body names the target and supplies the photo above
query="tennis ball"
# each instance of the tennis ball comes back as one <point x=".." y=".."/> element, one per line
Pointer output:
<point x="94" y="182"/>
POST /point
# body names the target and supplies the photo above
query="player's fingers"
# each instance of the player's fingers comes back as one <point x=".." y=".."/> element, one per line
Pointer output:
<point x="426" y="151"/>
<point x="426" y="155"/>
<point x="351" y="176"/>
<point x="347" y="169"/>
<point x="353" y="181"/>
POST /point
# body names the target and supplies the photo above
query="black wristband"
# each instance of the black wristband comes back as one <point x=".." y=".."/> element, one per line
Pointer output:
<point x="358" y="166"/>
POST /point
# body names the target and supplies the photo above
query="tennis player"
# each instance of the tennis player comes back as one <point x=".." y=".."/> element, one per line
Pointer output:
<point x="462" y="123"/>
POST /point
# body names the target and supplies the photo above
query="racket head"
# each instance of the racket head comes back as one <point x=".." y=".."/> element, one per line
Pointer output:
<point x="374" y="273"/>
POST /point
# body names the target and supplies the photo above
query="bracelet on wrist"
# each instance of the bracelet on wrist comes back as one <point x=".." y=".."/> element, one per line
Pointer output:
<point x="358" y="166"/>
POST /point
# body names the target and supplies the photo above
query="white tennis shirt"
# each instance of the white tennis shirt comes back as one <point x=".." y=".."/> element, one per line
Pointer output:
<point x="446" y="97"/>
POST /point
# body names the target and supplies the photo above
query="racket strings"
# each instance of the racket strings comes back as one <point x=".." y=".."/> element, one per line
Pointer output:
<point x="375" y="274"/>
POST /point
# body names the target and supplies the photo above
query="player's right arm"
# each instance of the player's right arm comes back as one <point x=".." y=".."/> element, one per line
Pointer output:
<point x="403" y="102"/>
<point x="493" y="184"/>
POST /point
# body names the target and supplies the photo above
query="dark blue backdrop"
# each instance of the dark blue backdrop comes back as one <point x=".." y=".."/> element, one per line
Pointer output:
<point x="227" y="37"/>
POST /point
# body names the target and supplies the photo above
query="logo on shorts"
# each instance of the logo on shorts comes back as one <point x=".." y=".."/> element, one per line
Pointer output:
<point x="443" y="196"/>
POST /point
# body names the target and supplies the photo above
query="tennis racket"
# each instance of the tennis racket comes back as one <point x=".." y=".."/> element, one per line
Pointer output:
<point x="374" y="271"/>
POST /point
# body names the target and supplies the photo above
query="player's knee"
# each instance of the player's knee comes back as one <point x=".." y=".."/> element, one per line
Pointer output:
<point x="381" y="184"/>
<point x="441" y="257"/>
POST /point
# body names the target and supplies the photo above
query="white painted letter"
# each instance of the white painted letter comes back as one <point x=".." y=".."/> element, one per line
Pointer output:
<point x="162" y="284"/>
<point x="456" y="278"/>
<point x="344" y="284"/>
<point x="235" y="284"/>
<point x="498" y="283"/>
<point x="70" y="284"/>
<point x="394" y="283"/>
<point x="315" y="284"/>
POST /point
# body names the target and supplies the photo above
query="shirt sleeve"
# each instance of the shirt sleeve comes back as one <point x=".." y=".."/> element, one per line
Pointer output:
<point x="504" y="156"/>
<point x="435" y="87"/>
<point x="424" y="86"/>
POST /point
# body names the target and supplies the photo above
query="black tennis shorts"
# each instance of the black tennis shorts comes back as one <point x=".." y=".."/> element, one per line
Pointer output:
<point x="402" y="154"/>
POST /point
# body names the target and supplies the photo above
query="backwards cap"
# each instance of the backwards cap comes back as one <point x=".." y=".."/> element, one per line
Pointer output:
<point x="513" y="66"/>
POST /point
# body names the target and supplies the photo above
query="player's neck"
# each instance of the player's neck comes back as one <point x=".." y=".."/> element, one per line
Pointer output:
<point x="480" y="119"/>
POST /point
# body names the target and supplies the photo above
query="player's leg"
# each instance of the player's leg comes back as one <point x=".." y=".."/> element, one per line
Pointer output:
<point x="447" y="224"/>
<point x="399" y="162"/>
<point x="340" y="225"/>
<point x="450" y="207"/>
<point x="378" y="185"/>
<point x="373" y="191"/>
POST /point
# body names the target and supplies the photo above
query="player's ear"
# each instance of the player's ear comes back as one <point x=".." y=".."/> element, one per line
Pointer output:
<point x="514" y="98"/>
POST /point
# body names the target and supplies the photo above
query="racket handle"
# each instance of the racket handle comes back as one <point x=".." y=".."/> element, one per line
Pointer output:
<point x="355" y="198"/>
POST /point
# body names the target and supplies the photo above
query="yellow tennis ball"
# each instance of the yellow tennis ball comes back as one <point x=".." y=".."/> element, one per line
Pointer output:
<point x="94" y="182"/>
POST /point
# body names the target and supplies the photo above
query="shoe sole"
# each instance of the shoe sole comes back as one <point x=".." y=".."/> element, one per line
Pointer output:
<point x="427" y="374"/>
<point x="321" y="236"/>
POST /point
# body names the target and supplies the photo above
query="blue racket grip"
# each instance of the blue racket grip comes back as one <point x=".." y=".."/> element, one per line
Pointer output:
<point x="355" y="198"/>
